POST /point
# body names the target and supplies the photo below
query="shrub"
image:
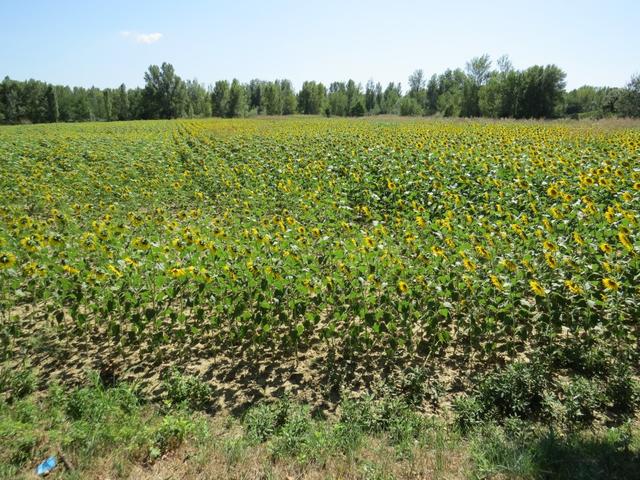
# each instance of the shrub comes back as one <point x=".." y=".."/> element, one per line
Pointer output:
<point x="622" y="390"/>
<point x="372" y="415"/>
<point x="582" y="399"/>
<point x="17" y="383"/>
<point x="172" y="431"/>
<point x="266" y="419"/>
<point x="187" y="390"/>
<point x="409" y="107"/>
<point x="469" y="413"/>
<point x="517" y="390"/>
<point x="291" y="438"/>
<point x="357" y="110"/>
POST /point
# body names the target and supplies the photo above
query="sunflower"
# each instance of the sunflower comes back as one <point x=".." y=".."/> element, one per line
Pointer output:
<point x="610" y="214"/>
<point x="496" y="282"/>
<point x="410" y="238"/>
<point x="403" y="287"/>
<point x="141" y="243"/>
<point x="70" y="270"/>
<point x="32" y="269"/>
<point x="114" y="270"/>
<point x="177" y="272"/>
<point x="205" y="276"/>
<point x="606" y="248"/>
<point x="55" y="239"/>
<point x="25" y="222"/>
<point x="537" y="288"/>
<point x="7" y="260"/>
<point x="573" y="287"/>
<point x="610" y="284"/>
<point x="551" y="261"/>
<point x="578" y="239"/>
<point x="518" y="230"/>
<point x="468" y="265"/>
<point x="509" y="265"/>
<point x="624" y="240"/>
<point x="178" y="243"/>
<point x="369" y="243"/>
<point x="30" y="244"/>
<point x="131" y="262"/>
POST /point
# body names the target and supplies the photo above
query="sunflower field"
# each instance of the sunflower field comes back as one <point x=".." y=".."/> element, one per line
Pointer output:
<point x="283" y="235"/>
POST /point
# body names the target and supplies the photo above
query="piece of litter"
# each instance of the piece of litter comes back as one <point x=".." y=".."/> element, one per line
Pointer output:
<point x="45" y="467"/>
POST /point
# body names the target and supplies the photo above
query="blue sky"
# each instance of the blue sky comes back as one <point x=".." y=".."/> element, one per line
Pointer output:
<point x="88" y="43"/>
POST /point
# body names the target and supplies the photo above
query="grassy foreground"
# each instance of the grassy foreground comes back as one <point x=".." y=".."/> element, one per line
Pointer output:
<point x="111" y="432"/>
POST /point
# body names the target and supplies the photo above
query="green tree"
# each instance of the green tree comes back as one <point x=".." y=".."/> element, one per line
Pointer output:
<point x="289" y="101"/>
<point x="121" y="103"/>
<point x="370" y="103"/>
<point x="10" y="100"/>
<point x="198" y="104"/>
<point x="391" y="98"/>
<point x="311" y="98"/>
<point x="541" y="91"/>
<point x="478" y="73"/>
<point x="255" y="93"/>
<point x="338" y="103"/>
<point x="479" y="69"/>
<point x="610" y="101"/>
<point x="504" y="64"/>
<point x="431" y="96"/>
<point x="64" y="97"/>
<point x="108" y="104"/>
<point x="451" y="85"/>
<point x="164" y="93"/>
<point x="237" y="104"/>
<point x="53" y="114"/>
<point x="358" y="108"/>
<point x="271" y="98"/>
<point x="417" y="91"/>
<point x="629" y="99"/>
<point x="34" y="101"/>
<point x="409" y="106"/>
<point x="81" y="109"/>
<point x="353" y="91"/>
<point x="379" y="97"/>
<point x="220" y="98"/>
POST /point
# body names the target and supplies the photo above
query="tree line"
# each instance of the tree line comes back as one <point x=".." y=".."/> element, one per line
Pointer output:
<point x="478" y="90"/>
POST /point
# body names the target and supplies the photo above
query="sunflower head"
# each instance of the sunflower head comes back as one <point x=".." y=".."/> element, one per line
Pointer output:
<point x="537" y="288"/>
<point x="610" y="284"/>
<point x="7" y="260"/>
<point x="403" y="287"/>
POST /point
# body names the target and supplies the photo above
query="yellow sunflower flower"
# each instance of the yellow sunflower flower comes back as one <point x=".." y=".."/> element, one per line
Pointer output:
<point x="610" y="284"/>
<point x="537" y="288"/>
<point x="7" y="260"/>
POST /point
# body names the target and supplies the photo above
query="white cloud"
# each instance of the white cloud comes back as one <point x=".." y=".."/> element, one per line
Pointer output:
<point x="146" y="38"/>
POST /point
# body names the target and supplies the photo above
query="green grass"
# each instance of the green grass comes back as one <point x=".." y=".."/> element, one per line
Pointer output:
<point x="88" y="424"/>
<point x="111" y="431"/>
